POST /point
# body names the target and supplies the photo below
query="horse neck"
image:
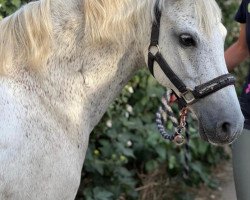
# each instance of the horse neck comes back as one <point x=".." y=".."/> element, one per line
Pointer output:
<point x="105" y="73"/>
<point x="86" y="78"/>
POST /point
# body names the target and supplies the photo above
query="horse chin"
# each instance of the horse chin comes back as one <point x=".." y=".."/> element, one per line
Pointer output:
<point x="203" y="133"/>
<point x="204" y="136"/>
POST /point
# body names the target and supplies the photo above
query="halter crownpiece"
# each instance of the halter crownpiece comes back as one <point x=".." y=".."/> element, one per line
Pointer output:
<point x="187" y="96"/>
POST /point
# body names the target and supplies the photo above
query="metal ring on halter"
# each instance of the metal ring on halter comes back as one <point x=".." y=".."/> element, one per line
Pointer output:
<point x="154" y="49"/>
<point x="189" y="97"/>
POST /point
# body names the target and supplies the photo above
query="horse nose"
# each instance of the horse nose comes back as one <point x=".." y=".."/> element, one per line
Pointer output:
<point x="226" y="131"/>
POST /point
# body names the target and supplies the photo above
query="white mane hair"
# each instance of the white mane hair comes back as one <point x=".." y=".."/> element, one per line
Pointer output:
<point x="208" y="13"/>
<point x="25" y="36"/>
<point x="116" y="19"/>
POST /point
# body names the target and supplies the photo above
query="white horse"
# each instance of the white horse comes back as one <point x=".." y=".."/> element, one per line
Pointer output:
<point x="63" y="62"/>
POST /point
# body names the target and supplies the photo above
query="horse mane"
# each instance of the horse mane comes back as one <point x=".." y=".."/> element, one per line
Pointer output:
<point x="25" y="36"/>
<point x="115" y="19"/>
<point x="208" y="14"/>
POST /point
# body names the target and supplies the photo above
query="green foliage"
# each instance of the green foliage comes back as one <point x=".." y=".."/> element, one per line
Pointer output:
<point x="126" y="142"/>
<point x="148" y="150"/>
<point x="7" y="7"/>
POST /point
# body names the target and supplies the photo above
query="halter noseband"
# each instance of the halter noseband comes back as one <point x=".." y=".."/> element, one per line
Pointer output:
<point x="187" y="96"/>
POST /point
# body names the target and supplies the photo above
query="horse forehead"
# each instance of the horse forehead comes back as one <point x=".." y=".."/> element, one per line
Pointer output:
<point x="180" y="14"/>
<point x="193" y="13"/>
<point x="182" y="7"/>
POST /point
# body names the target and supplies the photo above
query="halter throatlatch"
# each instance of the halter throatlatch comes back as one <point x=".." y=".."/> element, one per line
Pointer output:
<point x="186" y="96"/>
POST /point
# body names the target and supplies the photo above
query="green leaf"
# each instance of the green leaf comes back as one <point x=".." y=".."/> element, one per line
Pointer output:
<point x="161" y="150"/>
<point x="88" y="193"/>
<point x="99" y="166"/>
<point x="172" y="162"/>
<point x="151" y="165"/>
<point x="203" y="147"/>
<point x="17" y="3"/>
<point x="102" y="194"/>
<point x="125" y="151"/>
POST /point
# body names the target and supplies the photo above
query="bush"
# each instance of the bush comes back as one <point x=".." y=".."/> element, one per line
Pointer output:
<point x="126" y="144"/>
<point x="7" y="7"/>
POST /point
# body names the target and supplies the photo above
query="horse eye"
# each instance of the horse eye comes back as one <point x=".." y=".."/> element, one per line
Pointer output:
<point x="186" y="40"/>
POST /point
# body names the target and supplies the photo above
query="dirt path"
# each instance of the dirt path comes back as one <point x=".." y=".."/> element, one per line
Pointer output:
<point x="223" y="173"/>
<point x="227" y="183"/>
<point x="226" y="189"/>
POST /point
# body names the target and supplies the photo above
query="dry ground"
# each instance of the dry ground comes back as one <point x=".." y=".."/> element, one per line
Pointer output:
<point x="157" y="188"/>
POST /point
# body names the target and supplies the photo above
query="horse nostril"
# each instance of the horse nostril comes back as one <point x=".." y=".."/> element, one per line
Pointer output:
<point x="224" y="131"/>
<point x="226" y="127"/>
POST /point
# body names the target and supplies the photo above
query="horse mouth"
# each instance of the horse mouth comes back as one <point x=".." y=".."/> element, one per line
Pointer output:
<point x="203" y="133"/>
<point x="204" y="136"/>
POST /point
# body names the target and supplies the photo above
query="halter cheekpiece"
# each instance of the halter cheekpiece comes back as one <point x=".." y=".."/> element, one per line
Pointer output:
<point x="187" y="96"/>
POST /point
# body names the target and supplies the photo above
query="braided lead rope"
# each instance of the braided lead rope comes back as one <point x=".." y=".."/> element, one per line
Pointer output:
<point x="164" y="113"/>
<point x="187" y="155"/>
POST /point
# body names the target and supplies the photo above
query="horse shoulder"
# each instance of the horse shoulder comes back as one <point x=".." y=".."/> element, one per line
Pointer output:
<point x="30" y="142"/>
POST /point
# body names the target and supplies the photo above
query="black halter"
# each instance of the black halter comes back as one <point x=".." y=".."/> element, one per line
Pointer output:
<point x="187" y="96"/>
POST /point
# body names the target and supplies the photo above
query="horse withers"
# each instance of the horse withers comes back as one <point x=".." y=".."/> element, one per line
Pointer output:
<point x="62" y="64"/>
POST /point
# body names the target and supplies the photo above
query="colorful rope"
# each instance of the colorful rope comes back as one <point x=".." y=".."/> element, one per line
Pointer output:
<point x="164" y="113"/>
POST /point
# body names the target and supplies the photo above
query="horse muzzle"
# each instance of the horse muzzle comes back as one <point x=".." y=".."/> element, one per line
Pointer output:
<point x="221" y="127"/>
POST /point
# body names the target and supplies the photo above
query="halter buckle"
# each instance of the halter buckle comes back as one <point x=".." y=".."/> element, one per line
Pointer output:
<point x="154" y="49"/>
<point x="188" y="96"/>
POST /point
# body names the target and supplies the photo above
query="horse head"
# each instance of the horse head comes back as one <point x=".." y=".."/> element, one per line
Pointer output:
<point x="189" y="37"/>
